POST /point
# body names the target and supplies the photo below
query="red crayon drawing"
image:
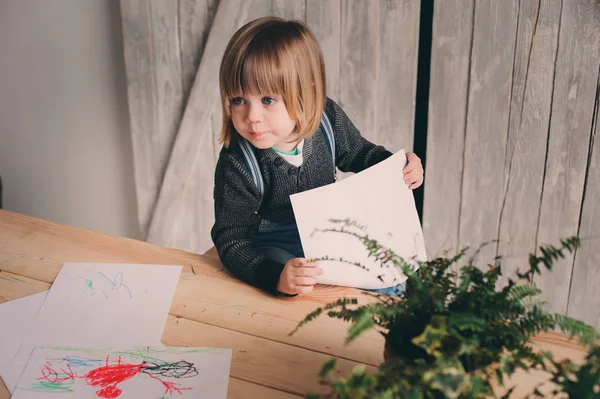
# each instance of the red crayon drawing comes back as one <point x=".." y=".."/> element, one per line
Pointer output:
<point x="108" y="377"/>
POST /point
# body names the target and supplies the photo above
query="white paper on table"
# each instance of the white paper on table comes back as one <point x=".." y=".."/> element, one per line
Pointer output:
<point x="104" y="305"/>
<point x="16" y="318"/>
<point x="126" y="373"/>
<point x="382" y="205"/>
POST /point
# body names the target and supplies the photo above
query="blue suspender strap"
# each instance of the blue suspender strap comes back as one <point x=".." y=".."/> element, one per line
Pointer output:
<point x="253" y="168"/>
<point x="329" y="137"/>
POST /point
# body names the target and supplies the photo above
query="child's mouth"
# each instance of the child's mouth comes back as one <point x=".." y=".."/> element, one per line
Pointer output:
<point x="257" y="135"/>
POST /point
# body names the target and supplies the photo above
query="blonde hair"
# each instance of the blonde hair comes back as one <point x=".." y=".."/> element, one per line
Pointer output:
<point x="278" y="57"/>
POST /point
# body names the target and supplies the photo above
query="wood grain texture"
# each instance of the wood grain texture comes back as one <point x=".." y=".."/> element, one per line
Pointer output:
<point x="263" y="366"/>
<point x="398" y="45"/>
<point x="155" y="93"/>
<point x="533" y="77"/>
<point x="358" y="63"/>
<point x="280" y="366"/>
<point x="569" y="139"/>
<point x="289" y="9"/>
<point x="15" y="286"/>
<point x="37" y="249"/>
<point x="449" y="85"/>
<point x="584" y="296"/>
<point x="4" y="394"/>
<point x="324" y="19"/>
<point x="495" y="28"/>
<point x="195" y="132"/>
<point x="195" y="20"/>
<point x="239" y="389"/>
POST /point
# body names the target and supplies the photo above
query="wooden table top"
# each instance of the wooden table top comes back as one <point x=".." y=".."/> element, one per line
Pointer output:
<point x="211" y="308"/>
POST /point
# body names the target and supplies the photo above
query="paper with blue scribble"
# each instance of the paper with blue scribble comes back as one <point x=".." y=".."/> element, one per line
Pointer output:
<point x="104" y="305"/>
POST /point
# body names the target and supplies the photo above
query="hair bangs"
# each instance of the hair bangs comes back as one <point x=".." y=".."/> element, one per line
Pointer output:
<point x="257" y="72"/>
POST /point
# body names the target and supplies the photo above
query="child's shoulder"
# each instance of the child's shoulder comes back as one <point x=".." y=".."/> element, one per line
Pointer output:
<point x="230" y="156"/>
<point x="231" y="166"/>
<point x="333" y="110"/>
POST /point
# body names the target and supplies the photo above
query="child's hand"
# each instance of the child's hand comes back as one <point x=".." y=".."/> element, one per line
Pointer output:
<point x="413" y="171"/>
<point x="297" y="276"/>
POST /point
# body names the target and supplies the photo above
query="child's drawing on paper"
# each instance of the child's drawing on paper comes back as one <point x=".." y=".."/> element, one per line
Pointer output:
<point x="152" y="373"/>
<point x="339" y="224"/>
<point x="370" y="254"/>
<point x="106" y="285"/>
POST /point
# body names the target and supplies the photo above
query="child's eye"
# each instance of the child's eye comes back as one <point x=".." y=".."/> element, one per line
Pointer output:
<point x="268" y="100"/>
<point x="237" y="101"/>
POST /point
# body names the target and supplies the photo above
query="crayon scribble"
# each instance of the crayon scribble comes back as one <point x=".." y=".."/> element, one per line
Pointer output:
<point x="89" y="285"/>
<point x="107" y="377"/>
<point x="117" y="282"/>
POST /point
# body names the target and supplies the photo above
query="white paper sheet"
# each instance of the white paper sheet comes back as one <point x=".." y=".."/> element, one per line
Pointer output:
<point x="104" y="305"/>
<point x="135" y="373"/>
<point x="383" y="207"/>
<point x="16" y="318"/>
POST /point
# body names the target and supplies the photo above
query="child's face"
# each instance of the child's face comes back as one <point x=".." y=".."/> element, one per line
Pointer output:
<point x="263" y="121"/>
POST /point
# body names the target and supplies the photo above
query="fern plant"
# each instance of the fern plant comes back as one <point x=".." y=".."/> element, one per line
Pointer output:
<point x="451" y="332"/>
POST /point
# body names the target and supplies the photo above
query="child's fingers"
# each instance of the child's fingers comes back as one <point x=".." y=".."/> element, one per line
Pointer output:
<point x="305" y="263"/>
<point x="308" y="271"/>
<point x="411" y="178"/>
<point x="413" y="163"/>
<point x="415" y="184"/>
<point x="303" y="281"/>
<point x="410" y="167"/>
<point x="304" y="289"/>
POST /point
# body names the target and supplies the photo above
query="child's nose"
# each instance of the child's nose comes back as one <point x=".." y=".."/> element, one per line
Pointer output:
<point x="254" y="114"/>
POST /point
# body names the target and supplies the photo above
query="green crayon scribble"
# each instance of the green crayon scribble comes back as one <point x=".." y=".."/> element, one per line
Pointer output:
<point x="11" y="279"/>
<point x="45" y="386"/>
<point x="89" y="284"/>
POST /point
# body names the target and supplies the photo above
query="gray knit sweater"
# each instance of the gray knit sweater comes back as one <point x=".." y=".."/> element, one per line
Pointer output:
<point x="236" y="196"/>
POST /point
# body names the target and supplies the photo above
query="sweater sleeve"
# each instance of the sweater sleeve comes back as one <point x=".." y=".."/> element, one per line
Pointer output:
<point x="236" y="199"/>
<point x="353" y="153"/>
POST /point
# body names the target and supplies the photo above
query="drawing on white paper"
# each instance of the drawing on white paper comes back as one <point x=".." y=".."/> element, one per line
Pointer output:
<point x="103" y="284"/>
<point x="87" y="300"/>
<point x="139" y="372"/>
<point x="375" y="204"/>
<point x="375" y="258"/>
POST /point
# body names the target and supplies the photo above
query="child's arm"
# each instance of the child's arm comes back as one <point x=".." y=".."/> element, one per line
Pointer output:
<point x="353" y="152"/>
<point x="236" y="198"/>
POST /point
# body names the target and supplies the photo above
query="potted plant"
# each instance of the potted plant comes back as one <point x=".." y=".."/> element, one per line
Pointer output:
<point x="453" y="331"/>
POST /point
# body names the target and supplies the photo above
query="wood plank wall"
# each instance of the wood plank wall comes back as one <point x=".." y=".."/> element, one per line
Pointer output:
<point x="512" y="159"/>
<point x="511" y="149"/>
<point x="370" y="49"/>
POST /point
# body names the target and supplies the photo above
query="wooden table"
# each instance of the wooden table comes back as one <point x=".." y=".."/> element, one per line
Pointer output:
<point x="211" y="308"/>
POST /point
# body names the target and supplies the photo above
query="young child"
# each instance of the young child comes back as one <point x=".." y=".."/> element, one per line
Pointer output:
<point x="273" y="93"/>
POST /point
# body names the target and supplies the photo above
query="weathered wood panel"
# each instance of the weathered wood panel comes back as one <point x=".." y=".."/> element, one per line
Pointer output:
<point x="323" y="17"/>
<point x="533" y="76"/>
<point x="289" y="9"/>
<point x="358" y="74"/>
<point x="569" y="139"/>
<point x="195" y="20"/>
<point x="449" y="85"/>
<point x="196" y="17"/>
<point x="155" y="93"/>
<point x="495" y="27"/>
<point x="358" y="65"/>
<point x="584" y="296"/>
<point x="174" y="222"/>
<point x="396" y="68"/>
